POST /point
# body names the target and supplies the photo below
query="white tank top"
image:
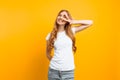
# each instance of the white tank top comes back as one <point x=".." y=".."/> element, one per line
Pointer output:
<point x="63" y="58"/>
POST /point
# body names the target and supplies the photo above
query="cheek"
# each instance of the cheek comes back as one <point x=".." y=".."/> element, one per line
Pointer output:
<point x="58" y="17"/>
<point x="57" y="20"/>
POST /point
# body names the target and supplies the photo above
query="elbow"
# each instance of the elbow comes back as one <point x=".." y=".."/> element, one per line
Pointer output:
<point x="90" y="23"/>
<point x="47" y="53"/>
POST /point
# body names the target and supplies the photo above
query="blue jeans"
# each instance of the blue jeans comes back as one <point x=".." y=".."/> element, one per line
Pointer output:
<point x="60" y="75"/>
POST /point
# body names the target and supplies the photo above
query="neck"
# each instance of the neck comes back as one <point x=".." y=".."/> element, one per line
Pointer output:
<point x="61" y="28"/>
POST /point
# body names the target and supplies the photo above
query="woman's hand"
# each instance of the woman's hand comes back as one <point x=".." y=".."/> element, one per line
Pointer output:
<point x="67" y="19"/>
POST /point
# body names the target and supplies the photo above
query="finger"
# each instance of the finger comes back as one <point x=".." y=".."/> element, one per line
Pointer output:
<point x="67" y="17"/>
<point x="64" y="19"/>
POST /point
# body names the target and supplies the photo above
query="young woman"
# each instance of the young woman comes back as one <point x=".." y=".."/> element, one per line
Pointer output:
<point x="62" y="39"/>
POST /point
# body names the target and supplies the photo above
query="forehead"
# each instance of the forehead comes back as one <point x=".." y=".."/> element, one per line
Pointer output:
<point x="63" y="13"/>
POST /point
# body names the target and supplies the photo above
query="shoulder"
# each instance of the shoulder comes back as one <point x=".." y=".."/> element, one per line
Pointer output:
<point x="47" y="36"/>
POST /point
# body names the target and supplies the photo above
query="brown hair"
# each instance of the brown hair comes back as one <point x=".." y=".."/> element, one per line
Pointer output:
<point x="68" y="31"/>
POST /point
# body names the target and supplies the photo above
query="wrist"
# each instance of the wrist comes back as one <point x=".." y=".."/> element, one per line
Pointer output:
<point x="71" y="21"/>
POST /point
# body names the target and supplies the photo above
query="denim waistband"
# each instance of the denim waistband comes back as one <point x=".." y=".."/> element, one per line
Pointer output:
<point x="60" y="70"/>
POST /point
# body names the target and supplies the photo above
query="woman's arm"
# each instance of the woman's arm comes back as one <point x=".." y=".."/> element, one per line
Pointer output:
<point x="47" y="52"/>
<point x="84" y="24"/>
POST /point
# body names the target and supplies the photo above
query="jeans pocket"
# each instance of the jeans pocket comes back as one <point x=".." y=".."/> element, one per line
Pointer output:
<point x="53" y="73"/>
<point x="68" y="75"/>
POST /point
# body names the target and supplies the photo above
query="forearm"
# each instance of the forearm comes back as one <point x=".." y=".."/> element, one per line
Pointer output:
<point x="49" y="57"/>
<point x="82" y="22"/>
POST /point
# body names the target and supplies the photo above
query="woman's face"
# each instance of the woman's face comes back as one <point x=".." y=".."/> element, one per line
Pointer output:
<point x="60" y="17"/>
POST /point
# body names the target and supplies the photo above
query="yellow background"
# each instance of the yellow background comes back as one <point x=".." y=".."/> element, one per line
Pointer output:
<point x="24" y="25"/>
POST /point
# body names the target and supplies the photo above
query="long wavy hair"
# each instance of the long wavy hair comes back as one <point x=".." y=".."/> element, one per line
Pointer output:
<point x="53" y="34"/>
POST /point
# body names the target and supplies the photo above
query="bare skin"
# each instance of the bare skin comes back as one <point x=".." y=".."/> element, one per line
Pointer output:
<point x="62" y="19"/>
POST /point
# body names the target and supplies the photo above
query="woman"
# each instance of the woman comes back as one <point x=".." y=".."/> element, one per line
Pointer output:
<point x="62" y="39"/>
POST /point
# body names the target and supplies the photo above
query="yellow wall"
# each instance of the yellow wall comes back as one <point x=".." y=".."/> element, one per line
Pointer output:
<point x="25" y="24"/>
